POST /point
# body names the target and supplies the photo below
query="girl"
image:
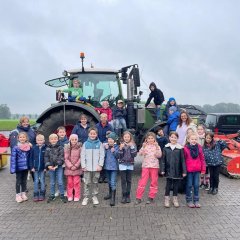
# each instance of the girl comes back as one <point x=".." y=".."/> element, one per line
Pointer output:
<point x="105" y="109"/>
<point x="150" y="165"/>
<point x="20" y="157"/>
<point x="213" y="155"/>
<point x="185" y="122"/>
<point x="195" y="164"/>
<point x="73" y="170"/>
<point x="111" y="166"/>
<point x="127" y="152"/>
<point x="204" y="179"/>
<point x="174" y="167"/>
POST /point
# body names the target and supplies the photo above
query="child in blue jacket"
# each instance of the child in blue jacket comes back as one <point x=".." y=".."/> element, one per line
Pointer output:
<point x="37" y="166"/>
<point x="173" y="119"/>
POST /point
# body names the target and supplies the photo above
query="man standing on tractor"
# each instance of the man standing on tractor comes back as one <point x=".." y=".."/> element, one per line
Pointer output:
<point x="158" y="98"/>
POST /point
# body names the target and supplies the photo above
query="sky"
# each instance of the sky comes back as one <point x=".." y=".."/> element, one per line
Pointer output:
<point x="189" y="48"/>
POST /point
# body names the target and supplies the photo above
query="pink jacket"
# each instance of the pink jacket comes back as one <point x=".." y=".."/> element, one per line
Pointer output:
<point x="151" y="153"/>
<point x="195" y="165"/>
<point x="108" y="111"/>
<point x="72" y="160"/>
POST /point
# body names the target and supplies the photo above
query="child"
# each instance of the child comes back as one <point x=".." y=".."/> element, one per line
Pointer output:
<point x="127" y="152"/>
<point x="150" y="165"/>
<point x="20" y="156"/>
<point x="161" y="138"/>
<point x="174" y="167"/>
<point x="62" y="137"/>
<point x="37" y="166"/>
<point x="173" y="119"/>
<point x="171" y="102"/>
<point x="54" y="159"/>
<point x="111" y="166"/>
<point x="195" y="164"/>
<point x="213" y="155"/>
<point x="105" y="109"/>
<point x="75" y="92"/>
<point x="92" y="160"/>
<point x="81" y="128"/>
<point x="119" y="116"/>
<point x="72" y="168"/>
<point x="204" y="179"/>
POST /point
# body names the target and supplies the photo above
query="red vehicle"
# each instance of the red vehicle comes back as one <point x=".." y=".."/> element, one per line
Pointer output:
<point x="4" y="145"/>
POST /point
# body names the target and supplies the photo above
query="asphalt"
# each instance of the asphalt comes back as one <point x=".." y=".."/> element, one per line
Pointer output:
<point x="218" y="218"/>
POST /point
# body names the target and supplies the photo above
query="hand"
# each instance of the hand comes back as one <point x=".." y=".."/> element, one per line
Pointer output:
<point x="106" y="146"/>
<point x="112" y="149"/>
<point x="144" y="144"/>
<point x="99" y="168"/>
<point x="51" y="168"/>
<point x="45" y="170"/>
<point x="184" y="175"/>
<point x="33" y="170"/>
<point x="84" y="169"/>
<point x="30" y="145"/>
<point x="73" y="168"/>
<point x="121" y="146"/>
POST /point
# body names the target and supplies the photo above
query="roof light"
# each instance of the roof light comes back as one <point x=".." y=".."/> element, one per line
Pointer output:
<point x="82" y="55"/>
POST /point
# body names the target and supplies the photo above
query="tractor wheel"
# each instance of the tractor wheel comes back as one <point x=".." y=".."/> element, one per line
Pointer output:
<point x="56" y="119"/>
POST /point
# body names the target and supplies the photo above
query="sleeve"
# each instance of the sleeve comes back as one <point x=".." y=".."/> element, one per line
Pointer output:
<point x="184" y="169"/>
<point x="142" y="151"/>
<point x="31" y="159"/>
<point x="114" y="113"/>
<point x="74" y="131"/>
<point x="120" y="153"/>
<point x="149" y="99"/>
<point x="67" y="158"/>
<point x="158" y="152"/>
<point x="124" y="112"/>
<point x="223" y="145"/>
<point x="60" y="159"/>
<point x="47" y="158"/>
<point x="110" y="114"/>
<point x="13" y="138"/>
<point x="133" y="151"/>
<point x="83" y="156"/>
<point x="78" y="163"/>
<point x="66" y="90"/>
<point x="203" y="163"/>
<point x="116" y="148"/>
<point x="13" y="164"/>
<point x="101" y="155"/>
<point x="163" y="161"/>
<point x="170" y="119"/>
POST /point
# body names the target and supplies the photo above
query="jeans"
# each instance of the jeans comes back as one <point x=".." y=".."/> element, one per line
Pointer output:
<point x="21" y="181"/>
<point x="118" y="122"/>
<point x="112" y="178"/>
<point x="91" y="183"/>
<point x="39" y="176"/>
<point x="58" y="173"/>
<point x="158" y="111"/>
<point x="214" y="176"/>
<point x="126" y="181"/>
<point x="192" y="181"/>
<point x="171" y="183"/>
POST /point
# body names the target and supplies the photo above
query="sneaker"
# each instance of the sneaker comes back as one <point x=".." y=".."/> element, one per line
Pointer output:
<point x="35" y="197"/>
<point x="190" y="205"/>
<point x="167" y="202"/>
<point x="85" y="201"/>
<point x="24" y="196"/>
<point x="70" y="199"/>
<point x="95" y="200"/>
<point x="51" y="198"/>
<point x="76" y="199"/>
<point x="19" y="198"/>
<point x="215" y="191"/>
<point x="175" y="202"/>
<point x="202" y="186"/>
<point x="138" y="201"/>
<point x="210" y="191"/>
<point x="65" y="193"/>
<point x="149" y="201"/>
<point x="197" y="205"/>
<point x="57" y="193"/>
<point x="63" y="198"/>
<point x="207" y="187"/>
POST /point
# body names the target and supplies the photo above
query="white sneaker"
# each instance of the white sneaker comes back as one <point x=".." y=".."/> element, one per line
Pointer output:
<point x="65" y="193"/>
<point x="19" y="198"/>
<point x="76" y="199"/>
<point x="57" y="193"/>
<point x="70" y="199"/>
<point x="95" y="200"/>
<point x="85" y="201"/>
<point x="24" y="196"/>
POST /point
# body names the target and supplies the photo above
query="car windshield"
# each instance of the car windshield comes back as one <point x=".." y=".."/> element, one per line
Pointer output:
<point x="211" y="121"/>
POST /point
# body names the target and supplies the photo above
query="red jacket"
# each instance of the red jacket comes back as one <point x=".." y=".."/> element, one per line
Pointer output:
<point x="108" y="111"/>
<point x="195" y="165"/>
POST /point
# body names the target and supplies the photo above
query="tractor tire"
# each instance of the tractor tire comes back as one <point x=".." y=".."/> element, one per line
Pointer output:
<point x="56" y="119"/>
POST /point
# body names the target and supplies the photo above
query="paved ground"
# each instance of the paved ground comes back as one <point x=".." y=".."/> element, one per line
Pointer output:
<point x="219" y="217"/>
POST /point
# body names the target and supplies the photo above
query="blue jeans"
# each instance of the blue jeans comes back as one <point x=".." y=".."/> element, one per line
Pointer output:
<point x="58" y="173"/>
<point x="112" y="178"/>
<point x="158" y="112"/>
<point x="118" y="122"/>
<point x="192" y="181"/>
<point x="39" y="176"/>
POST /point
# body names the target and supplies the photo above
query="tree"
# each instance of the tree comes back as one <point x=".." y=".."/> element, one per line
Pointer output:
<point x="5" y="112"/>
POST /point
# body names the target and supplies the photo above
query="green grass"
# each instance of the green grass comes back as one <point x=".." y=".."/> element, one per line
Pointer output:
<point x="10" y="124"/>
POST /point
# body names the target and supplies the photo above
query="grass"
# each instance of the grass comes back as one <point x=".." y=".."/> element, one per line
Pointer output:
<point x="10" y="124"/>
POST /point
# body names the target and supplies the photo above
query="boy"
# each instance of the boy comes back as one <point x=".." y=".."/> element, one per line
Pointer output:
<point x="75" y="93"/>
<point x="92" y="160"/>
<point x="119" y="116"/>
<point x="161" y="138"/>
<point x="37" y="166"/>
<point x="62" y="137"/>
<point x="173" y="119"/>
<point x="54" y="159"/>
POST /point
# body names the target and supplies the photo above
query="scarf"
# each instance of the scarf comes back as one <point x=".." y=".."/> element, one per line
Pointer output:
<point x="194" y="151"/>
<point x="24" y="146"/>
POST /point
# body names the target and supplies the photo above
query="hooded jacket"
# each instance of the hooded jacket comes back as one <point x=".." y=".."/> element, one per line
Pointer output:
<point x="156" y="95"/>
<point x="63" y="141"/>
<point x="37" y="158"/>
<point x="81" y="132"/>
<point x="173" y="121"/>
<point x="102" y="131"/>
<point x="127" y="154"/>
<point x="111" y="158"/>
<point x="54" y="155"/>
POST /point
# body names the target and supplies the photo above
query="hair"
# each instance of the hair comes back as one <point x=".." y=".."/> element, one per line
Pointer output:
<point x="103" y="115"/>
<point x="82" y="115"/>
<point x="40" y="136"/>
<point x="76" y="80"/>
<point x="173" y="133"/>
<point x="52" y="135"/>
<point x="103" y="102"/>
<point x="131" y="136"/>
<point x="25" y="134"/>
<point x="189" y="135"/>
<point x="92" y="129"/>
<point x="202" y="125"/>
<point x="61" y="128"/>
<point x="188" y="121"/>
<point x="158" y="128"/>
<point x="22" y="119"/>
<point x="150" y="134"/>
<point x="212" y="143"/>
<point x="152" y="84"/>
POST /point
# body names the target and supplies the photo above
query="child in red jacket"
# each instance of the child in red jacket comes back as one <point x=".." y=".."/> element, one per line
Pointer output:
<point x="195" y="164"/>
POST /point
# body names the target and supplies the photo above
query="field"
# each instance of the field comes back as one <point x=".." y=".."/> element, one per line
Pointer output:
<point x="10" y="124"/>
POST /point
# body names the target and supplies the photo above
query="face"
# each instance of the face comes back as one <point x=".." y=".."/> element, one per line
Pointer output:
<point x="105" y="105"/>
<point x="170" y="112"/>
<point x="152" y="88"/>
<point x="73" y="140"/>
<point x="75" y="84"/>
<point x="184" y="117"/>
<point x="160" y="133"/>
<point x="200" y="130"/>
<point x="173" y="139"/>
<point x="103" y="119"/>
<point x="92" y="135"/>
<point x="22" y="138"/>
<point x="83" y="120"/>
<point x="110" y="141"/>
<point x="53" y="140"/>
<point x="208" y="139"/>
<point x="61" y="133"/>
<point x="25" y="123"/>
<point x="189" y="131"/>
<point x="150" y="139"/>
<point x="126" y="138"/>
<point x="40" y="141"/>
<point x="193" y="140"/>
<point x="120" y="105"/>
<point x="172" y="103"/>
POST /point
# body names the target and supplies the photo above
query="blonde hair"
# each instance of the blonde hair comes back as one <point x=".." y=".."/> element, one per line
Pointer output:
<point x="53" y="135"/>
<point x="61" y="128"/>
<point x="150" y="134"/>
<point x="103" y="115"/>
<point x="40" y="136"/>
<point x="25" y="134"/>
<point x="22" y="119"/>
<point x="131" y="136"/>
<point x="189" y="135"/>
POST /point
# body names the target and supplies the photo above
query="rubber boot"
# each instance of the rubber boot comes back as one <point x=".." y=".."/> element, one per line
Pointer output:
<point x="167" y="202"/>
<point x="123" y="198"/>
<point x="175" y="202"/>
<point x="128" y="199"/>
<point x="112" y="201"/>
<point x="109" y="194"/>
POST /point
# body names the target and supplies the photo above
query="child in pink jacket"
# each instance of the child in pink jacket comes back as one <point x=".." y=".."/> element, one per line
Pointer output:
<point x="195" y="164"/>
<point x="105" y="109"/>
<point x="73" y="170"/>
<point x="150" y="165"/>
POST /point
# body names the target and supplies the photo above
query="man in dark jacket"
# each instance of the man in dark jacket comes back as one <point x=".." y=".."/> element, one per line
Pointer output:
<point x="158" y="98"/>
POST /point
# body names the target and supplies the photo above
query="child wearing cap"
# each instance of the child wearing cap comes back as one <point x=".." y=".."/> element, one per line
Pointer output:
<point x="111" y="166"/>
<point x="171" y="102"/>
<point x="119" y="116"/>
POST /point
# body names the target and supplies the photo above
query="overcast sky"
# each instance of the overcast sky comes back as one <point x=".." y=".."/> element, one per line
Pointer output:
<point x="189" y="48"/>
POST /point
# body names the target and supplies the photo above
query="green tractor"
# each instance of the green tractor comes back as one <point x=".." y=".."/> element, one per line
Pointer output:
<point x="98" y="85"/>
